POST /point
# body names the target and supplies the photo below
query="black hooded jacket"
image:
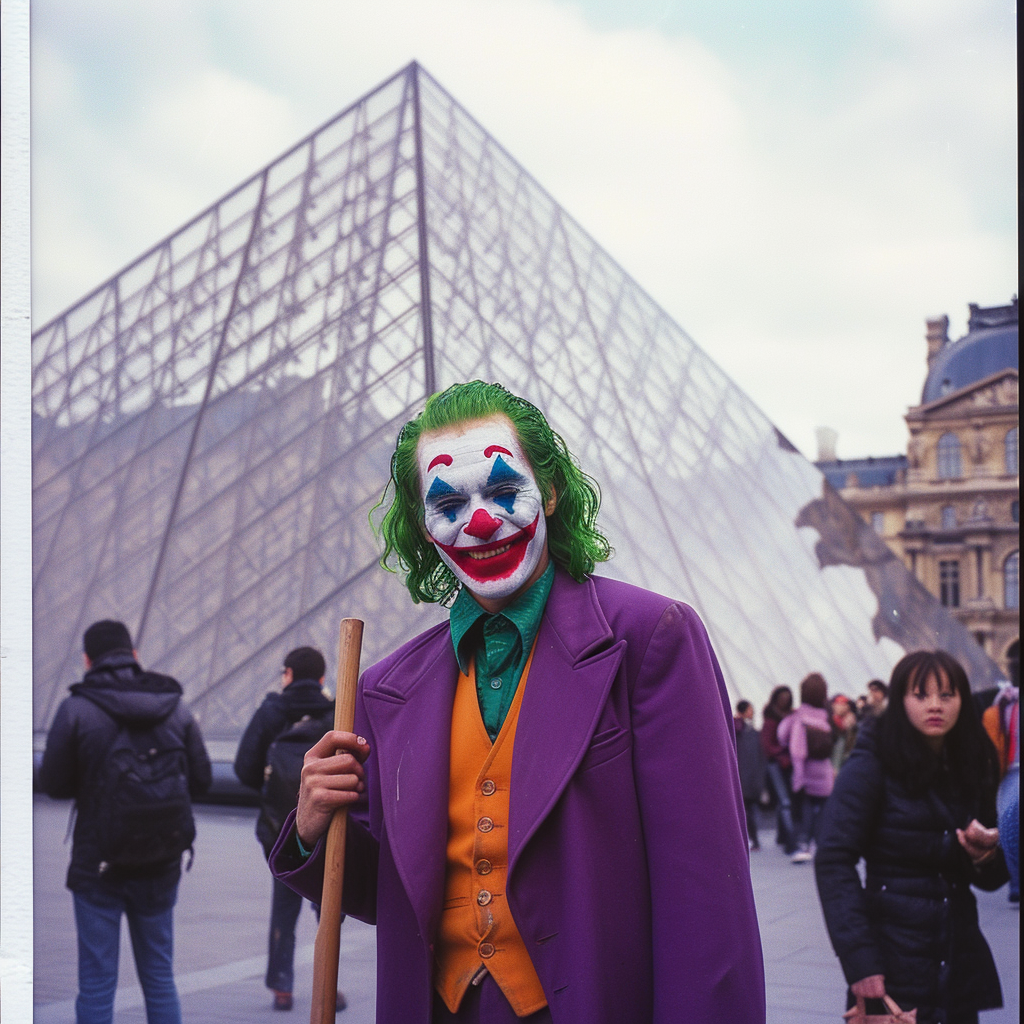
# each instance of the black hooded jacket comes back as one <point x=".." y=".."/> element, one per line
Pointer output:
<point x="113" y="691"/>
<point x="278" y="711"/>
<point x="915" y="921"/>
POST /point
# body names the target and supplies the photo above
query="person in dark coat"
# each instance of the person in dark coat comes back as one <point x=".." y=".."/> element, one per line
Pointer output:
<point x="750" y="760"/>
<point x="779" y="765"/>
<point x="301" y="696"/>
<point x="115" y="690"/>
<point x="916" y="801"/>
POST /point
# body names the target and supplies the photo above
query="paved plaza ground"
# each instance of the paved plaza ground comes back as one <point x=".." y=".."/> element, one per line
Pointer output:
<point x="224" y="903"/>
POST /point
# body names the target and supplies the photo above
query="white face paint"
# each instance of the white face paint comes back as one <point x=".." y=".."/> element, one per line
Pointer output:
<point x="482" y="506"/>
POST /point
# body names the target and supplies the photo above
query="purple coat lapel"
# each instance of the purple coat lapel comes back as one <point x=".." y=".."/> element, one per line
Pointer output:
<point x="574" y="664"/>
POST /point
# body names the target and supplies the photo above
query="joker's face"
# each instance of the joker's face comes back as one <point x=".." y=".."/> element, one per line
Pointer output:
<point x="482" y="507"/>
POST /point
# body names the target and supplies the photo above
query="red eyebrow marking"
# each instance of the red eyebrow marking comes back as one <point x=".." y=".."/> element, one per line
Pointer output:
<point x="444" y="460"/>
<point x="492" y="448"/>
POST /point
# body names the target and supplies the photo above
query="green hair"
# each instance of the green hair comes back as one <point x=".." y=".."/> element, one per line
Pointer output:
<point x="574" y="541"/>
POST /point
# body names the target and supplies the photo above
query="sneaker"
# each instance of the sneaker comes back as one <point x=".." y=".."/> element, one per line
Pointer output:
<point x="282" y="1000"/>
<point x="802" y="857"/>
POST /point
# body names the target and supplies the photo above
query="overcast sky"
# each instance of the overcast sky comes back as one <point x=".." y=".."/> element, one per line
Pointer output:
<point x="799" y="183"/>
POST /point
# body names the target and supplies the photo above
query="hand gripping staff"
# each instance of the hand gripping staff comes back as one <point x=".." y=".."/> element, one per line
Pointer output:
<point x="328" y="935"/>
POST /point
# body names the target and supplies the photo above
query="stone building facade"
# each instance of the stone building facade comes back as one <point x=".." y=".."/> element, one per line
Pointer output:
<point x="950" y="507"/>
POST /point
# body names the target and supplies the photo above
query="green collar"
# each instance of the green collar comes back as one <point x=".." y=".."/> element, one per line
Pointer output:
<point x="524" y="614"/>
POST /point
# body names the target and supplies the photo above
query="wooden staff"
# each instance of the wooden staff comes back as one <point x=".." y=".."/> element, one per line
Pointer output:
<point x="328" y="934"/>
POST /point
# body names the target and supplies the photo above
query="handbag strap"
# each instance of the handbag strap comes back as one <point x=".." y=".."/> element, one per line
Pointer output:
<point x="899" y="1016"/>
<point x="858" y="1014"/>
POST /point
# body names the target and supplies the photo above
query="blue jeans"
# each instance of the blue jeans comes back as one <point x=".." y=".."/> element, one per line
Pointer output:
<point x="1008" y="804"/>
<point x="149" y="906"/>
<point x="784" y="798"/>
<point x="807" y="810"/>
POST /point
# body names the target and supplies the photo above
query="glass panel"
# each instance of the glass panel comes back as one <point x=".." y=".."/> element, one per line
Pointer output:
<point x="212" y="427"/>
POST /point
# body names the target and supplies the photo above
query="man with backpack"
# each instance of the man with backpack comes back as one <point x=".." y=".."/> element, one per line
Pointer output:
<point x="130" y="754"/>
<point x="269" y="759"/>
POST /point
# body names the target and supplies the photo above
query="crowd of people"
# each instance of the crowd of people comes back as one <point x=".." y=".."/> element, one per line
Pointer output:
<point x="791" y="762"/>
<point x="909" y="778"/>
<point x="544" y="793"/>
<point x="919" y="780"/>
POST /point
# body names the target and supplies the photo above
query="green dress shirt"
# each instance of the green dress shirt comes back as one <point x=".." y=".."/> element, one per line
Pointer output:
<point x="500" y="644"/>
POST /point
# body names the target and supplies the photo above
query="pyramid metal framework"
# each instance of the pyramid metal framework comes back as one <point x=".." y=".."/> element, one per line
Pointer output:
<point x="212" y="426"/>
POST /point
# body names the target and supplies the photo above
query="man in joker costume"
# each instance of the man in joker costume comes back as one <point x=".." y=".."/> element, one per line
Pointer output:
<point x="546" y="820"/>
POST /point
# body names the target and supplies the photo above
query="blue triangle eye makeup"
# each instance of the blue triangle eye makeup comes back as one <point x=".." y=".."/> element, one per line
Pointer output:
<point x="503" y="473"/>
<point x="440" y="490"/>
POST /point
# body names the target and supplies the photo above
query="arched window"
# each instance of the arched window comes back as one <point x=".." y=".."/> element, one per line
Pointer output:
<point x="949" y="457"/>
<point x="1011" y="452"/>
<point x="1011" y="581"/>
<point x="948" y="517"/>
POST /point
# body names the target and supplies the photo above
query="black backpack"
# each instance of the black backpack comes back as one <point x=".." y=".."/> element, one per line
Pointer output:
<point x="820" y="743"/>
<point x="144" y="810"/>
<point x="282" y="774"/>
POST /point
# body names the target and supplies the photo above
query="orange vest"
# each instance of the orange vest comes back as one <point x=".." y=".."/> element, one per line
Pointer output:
<point x="477" y="930"/>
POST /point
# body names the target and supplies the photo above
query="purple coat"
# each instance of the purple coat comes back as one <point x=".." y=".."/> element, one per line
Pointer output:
<point x="628" y="872"/>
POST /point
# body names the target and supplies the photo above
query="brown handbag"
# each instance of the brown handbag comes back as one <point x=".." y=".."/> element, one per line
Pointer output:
<point x="859" y="1015"/>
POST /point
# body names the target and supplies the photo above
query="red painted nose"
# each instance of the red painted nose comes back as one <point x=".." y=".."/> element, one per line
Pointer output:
<point x="482" y="525"/>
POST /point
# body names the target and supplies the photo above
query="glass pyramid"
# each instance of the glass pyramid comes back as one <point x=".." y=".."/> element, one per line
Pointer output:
<point x="212" y="426"/>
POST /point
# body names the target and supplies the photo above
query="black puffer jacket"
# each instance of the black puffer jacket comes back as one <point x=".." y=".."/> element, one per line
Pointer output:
<point x="115" y="689"/>
<point x="916" y="920"/>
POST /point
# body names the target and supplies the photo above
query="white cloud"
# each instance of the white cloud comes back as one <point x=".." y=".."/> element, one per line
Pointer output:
<point x="214" y="122"/>
<point x="916" y="18"/>
<point x="800" y="234"/>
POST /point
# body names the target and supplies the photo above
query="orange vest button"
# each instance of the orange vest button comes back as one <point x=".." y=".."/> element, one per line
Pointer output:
<point x="488" y="787"/>
<point x="483" y="897"/>
<point x="483" y="867"/>
<point x="485" y="824"/>
<point x="486" y="950"/>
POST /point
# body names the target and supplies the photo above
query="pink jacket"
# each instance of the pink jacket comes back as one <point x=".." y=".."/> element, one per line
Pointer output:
<point x="814" y="777"/>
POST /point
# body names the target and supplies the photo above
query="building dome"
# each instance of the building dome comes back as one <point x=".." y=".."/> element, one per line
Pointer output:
<point x="989" y="345"/>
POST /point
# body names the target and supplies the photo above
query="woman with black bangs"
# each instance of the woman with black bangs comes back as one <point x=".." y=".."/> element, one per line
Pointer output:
<point x="916" y="801"/>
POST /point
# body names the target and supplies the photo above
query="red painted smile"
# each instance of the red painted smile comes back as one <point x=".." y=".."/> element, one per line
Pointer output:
<point x="495" y="561"/>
